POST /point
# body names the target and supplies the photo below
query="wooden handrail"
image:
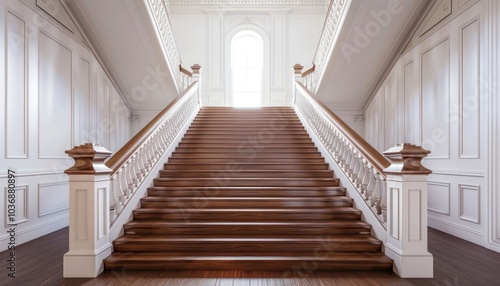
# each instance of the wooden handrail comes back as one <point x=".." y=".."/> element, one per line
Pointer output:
<point x="122" y="155"/>
<point x="377" y="160"/>
<point x="309" y="71"/>
<point x="185" y="71"/>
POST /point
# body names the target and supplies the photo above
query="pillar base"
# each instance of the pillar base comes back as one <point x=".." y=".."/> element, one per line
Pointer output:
<point x="411" y="265"/>
<point x="85" y="265"/>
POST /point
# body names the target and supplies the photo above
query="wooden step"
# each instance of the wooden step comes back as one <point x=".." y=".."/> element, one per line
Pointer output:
<point x="225" y="181"/>
<point x="245" y="166"/>
<point x="202" y="192"/>
<point x="245" y="202"/>
<point x="254" y="214"/>
<point x="201" y="228"/>
<point x="236" y="173"/>
<point x="329" y="261"/>
<point x="223" y="245"/>
<point x="238" y="155"/>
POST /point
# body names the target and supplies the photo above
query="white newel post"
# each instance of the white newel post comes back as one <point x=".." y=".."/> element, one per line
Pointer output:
<point x="297" y="76"/>
<point x="89" y="186"/>
<point x="196" y="68"/>
<point x="406" y="240"/>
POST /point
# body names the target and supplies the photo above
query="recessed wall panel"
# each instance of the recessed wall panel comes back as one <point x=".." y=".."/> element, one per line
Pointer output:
<point x="435" y="73"/>
<point x="469" y="95"/>
<point x="55" y="98"/>
<point x="16" y="129"/>
<point x="438" y="197"/>
<point x="103" y="114"/>
<point x="469" y="203"/>
<point x="52" y="198"/>
<point x="83" y="94"/>
<point x="411" y="104"/>
<point x="391" y="112"/>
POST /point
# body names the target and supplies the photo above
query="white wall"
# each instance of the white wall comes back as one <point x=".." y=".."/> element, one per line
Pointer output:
<point x="290" y="35"/>
<point x="439" y="95"/>
<point x="53" y="95"/>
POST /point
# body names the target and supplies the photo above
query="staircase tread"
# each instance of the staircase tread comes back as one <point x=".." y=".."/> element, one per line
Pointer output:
<point x="310" y="238"/>
<point x="347" y="256"/>
<point x="314" y="223"/>
<point x="252" y="210"/>
<point x="273" y="199"/>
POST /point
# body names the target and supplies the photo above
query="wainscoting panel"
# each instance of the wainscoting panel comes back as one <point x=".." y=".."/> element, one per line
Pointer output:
<point x="411" y="103"/>
<point x="103" y="122"/>
<point x="439" y="197"/>
<point x="469" y="92"/>
<point x="53" y="197"/>
<point x="435" y="73"/>
<point x="22" y="205"/>
<point x="469" y="205"/>
<point x="55" y="97"/>
<point x="391" y="111"/>
<point x="16" y="139"/>
<point x="82" y="97"/>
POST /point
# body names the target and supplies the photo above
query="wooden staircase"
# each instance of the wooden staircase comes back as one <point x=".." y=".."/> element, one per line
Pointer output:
<point x="247" y="190"/>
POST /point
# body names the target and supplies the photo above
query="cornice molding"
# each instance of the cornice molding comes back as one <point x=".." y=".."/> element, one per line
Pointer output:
<point x="244" y="3"/>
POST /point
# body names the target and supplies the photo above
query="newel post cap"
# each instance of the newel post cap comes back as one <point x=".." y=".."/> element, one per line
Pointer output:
<point x="406" y="159"/>
<point x="298" y="68"/>
<point x="89" y="159"/>
<point x="196" y="68"/>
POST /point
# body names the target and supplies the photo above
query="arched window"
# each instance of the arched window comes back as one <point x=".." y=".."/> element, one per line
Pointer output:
<point x="247" y="61"/>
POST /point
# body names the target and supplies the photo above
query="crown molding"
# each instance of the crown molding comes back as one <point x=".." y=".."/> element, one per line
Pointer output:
<point x="245" y="3"/>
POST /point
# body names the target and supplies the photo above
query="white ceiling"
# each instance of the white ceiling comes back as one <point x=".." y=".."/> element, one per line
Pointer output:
<point x="123" y="37"/>
<point x="354" y="70"/>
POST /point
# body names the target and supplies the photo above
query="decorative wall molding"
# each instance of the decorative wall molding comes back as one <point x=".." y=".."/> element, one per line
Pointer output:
<point x="245" y="3"/>
<point x="439" y="203"/>
<point x="22" y="206"/>
<point x="47" y="202"/>
<point x="470" y="203"/>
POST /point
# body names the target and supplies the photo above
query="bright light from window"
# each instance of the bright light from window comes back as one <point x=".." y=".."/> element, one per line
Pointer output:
<point x="247" y="69"/>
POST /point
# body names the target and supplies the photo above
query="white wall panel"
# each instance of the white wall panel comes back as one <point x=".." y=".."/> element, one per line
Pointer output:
<point x="22" y="206"/>
<point x="411" y="103"/>
<point x="55" y="98"/>
<point x="439" y="197"/>
<point x="435" y="73"/>
<point x="53" y="197"/>
<point x="469" y="92"/>
<point x="16" y="138"/>
<point x="103" y="117"/>
<point x="82" y="95"/>
<point x="469" y="205"/>
<point x="391" y="112"/>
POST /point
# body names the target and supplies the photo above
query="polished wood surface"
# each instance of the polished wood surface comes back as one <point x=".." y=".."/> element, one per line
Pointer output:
<point x="456" y="263"/>
<point x="247" y="199"/>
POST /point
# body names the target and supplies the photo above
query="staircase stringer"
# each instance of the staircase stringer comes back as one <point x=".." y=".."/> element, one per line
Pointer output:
<point x="378" y="229"/>
<point x="116" y="228"/>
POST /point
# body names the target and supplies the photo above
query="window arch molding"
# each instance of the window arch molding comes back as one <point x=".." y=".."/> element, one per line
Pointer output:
<point x="227" y="59"/>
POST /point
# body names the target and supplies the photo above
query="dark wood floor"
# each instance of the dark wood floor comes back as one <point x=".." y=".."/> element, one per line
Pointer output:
<point x="456" y="262"/>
